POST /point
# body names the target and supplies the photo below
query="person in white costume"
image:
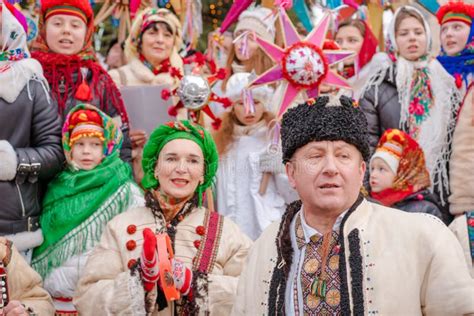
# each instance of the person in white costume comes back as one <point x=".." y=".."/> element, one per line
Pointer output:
<point x="246" y="153"/>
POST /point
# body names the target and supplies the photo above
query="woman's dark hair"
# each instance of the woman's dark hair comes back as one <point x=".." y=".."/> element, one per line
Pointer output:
<point x="155" y="28"/>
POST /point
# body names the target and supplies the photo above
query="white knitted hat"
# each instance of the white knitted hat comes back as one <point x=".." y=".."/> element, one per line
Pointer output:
<point x="240" y="81"/>
<point x="390" y="152"/>
<point x="257" y="19"/>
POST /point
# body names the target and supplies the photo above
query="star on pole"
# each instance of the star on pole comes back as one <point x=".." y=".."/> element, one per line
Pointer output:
<point x="302" y="64"/>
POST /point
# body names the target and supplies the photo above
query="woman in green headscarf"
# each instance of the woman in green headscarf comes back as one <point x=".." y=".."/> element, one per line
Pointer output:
<point x="95" y="186"/>
<point x="123" y="274"/>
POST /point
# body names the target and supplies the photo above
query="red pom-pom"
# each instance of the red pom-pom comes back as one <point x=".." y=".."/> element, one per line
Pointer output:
<point x="83" y="92"/>
<point x="165" y="94"/>
<point x="199" y="58"/>
<point x="226" y="102"/>
<point x="175" y="72"/>
<point x="458" y="80"/>
<point x="221" y="73"/>
<point x="173" y="111"/>
<point x="212" y="66"/>
<point x="216" y="124"/>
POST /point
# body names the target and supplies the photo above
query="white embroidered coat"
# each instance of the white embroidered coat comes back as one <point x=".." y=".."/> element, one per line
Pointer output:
<point x="411" y="265"/>
<point x="107" y="287"/>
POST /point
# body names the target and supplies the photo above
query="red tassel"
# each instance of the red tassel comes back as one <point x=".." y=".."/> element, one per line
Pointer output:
<point x="212" y="67"/>
<point x="221" y="73"/>
<point x="165" y="94"/>
<point x="83" y="92"/>
<point x="216" y="124"/>
<point x="172" y="111"/>
<point x="458" y="80"/>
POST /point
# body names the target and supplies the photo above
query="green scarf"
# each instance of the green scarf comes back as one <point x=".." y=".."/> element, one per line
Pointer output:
<point x="79" y="203"/>
<point x="71" y="200"/>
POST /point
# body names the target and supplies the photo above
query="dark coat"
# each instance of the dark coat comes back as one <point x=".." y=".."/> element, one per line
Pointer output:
<point x="420" y="202"/>
<point x="385" y="113"/>
<point x="32" y="127"/>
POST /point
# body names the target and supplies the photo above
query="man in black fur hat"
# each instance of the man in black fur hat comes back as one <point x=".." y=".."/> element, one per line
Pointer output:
<point x="335" y="253"/>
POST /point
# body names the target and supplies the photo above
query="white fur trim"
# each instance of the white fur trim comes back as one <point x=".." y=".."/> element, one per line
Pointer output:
<point x="8" y="161"/>
<point x="26" y="240"/>
<point x="137" y="295"/>
<point x="240" y="81"/>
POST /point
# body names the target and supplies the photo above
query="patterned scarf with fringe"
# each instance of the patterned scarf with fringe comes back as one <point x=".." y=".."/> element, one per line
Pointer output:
<point x="79" y="203"/>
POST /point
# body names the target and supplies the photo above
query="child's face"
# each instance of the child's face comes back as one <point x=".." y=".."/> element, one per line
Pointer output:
<point x="454" y="36"/>
<point x="239" y="46"/>
<point x="65" y="34"/>
<point x="381" y="176"/>
<point x="248" y="119"/>
<point x="87" y="152"/>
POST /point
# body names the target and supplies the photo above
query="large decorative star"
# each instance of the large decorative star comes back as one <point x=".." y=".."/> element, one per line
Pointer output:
<point x="302" y="64"/>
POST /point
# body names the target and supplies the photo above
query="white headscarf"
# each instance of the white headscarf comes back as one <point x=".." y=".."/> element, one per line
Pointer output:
<point x="16" y="66"/>
<point x="435" y="130"/>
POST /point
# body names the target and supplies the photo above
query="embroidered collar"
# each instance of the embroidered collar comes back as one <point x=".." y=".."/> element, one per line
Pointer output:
<point x="304" y="232"/>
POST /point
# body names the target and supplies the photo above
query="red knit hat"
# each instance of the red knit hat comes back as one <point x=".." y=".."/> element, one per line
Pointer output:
<point x="79" y="8"/>
<point x="85" y="123"/>
<point x="456" y="11"/>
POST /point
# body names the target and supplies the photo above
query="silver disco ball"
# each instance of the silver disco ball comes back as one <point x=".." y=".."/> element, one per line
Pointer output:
<point x="194" y="92"/>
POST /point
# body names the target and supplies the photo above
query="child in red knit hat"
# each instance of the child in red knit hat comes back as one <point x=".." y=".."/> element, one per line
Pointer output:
<point x="64" y="49"/>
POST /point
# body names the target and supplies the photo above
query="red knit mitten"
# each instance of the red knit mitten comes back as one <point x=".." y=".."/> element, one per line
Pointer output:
<point x="149" y="260"/>
<point x="182" y="276"/>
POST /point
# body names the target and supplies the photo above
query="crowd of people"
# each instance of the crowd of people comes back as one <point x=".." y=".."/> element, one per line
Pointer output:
<point x="358" y="201"/>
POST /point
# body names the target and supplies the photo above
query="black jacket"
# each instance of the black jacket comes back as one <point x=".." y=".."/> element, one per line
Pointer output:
<point x="32" y="127"/>
<point x="420" y="202"/>
<point x="385" y="113"/>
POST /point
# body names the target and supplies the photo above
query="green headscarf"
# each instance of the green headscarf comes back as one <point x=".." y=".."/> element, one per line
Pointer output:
<point x="74" y="208"/>
<point x="179" y="130"/>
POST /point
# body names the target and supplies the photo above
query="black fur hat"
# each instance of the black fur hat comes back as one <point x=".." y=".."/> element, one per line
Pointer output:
<point x="320" y="121"/>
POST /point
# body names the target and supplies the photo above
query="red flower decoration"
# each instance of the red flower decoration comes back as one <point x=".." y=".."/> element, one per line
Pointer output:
<point x="221" y="73"/>
<point x="416" y="108"/>
<point x="165" y="94"/>
<point x="216" y="124"/>
<point x="175" y="72"/>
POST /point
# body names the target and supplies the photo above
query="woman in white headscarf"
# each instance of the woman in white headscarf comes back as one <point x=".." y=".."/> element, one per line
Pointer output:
<point x="410" y="90"/>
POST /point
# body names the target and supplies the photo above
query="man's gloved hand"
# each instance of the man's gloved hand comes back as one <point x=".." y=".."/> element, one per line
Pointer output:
<point x="270" y="160"/>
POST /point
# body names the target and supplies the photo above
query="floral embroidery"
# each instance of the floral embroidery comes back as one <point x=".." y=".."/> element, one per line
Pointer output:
<point x="421" y="101"/>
